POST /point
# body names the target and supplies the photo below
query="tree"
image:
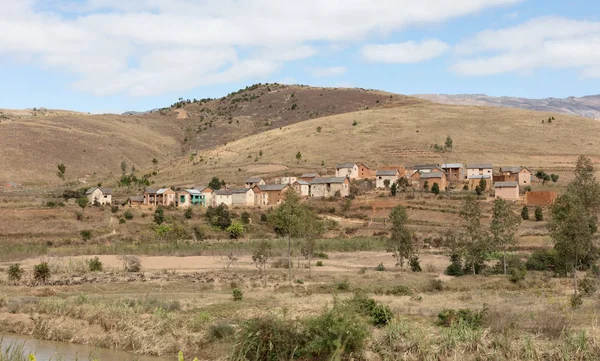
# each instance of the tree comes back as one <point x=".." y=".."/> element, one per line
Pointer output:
<point x="586" y="188"/>
<point x="554" y="177"/>
<point x="435" y="189"/>
<point x="218" y="216"/>
<point x="308" y="250"/>
<point x="571" y="231"/>
<point x="448" y="143"/>
<point x="82" y="202"/>
<point x="294" y="220"/>
<point x="400" y="242"/>
<point x="260" y="256"/>
<point x="473" y="241"/>
<point x="525" y="213"/>
<point x="503" y="227"/>
<point x="189" y="213"/>
<point x="214" y="184"/>
<point x="298" y="156"/>
<point x="61" y="170"/>
<point x="539" y="215"/>
<point x="386" y="183"/>
<point x="480" y="189"/>
<point x="159" y="216"/>
<point x="403" y="183"/>
<point x="123" y="167"/>
<point x="236" y="229"/>
<point x="426" y="185"/>
<point x="543" y="176"/>
<point x="394" y="189"/>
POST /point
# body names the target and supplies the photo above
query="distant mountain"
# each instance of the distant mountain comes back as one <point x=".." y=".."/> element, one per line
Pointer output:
<point x="587" y="106"/>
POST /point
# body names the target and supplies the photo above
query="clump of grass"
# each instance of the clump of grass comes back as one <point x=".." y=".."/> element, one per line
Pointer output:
<point x="238" y="295"/>
<point x="94" y="264"/>
<point x="15" y="272"/>
<point x="196" y="323"/>
<point x="319" y="264"/>
<point x="342" y="286"/>
<point x="220" y="331"/>
<point x="467" y="317"/>
<point x="399" y="290"/>
<point x="41" y="272"/>
<point x="380" y="267"/>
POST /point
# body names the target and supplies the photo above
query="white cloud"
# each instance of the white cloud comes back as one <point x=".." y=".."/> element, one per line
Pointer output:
<point x="149" y="47"/>
<point x="404" y="53"/>
<point x="545" y="42"/>
<point x="325" y="72"/>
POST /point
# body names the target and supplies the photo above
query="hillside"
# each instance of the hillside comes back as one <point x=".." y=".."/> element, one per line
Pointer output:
<point x="401" y="135"/>
<point x="588" y="106"/>
<point x="34" y="141"/>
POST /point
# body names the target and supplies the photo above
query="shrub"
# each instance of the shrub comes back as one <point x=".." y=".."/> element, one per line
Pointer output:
<point x="94" y="264"/>
<point x="220" y="331"/>
<point x="114" y="209"/>
<point x="354" y="123"/>
<point x="281" y="263"/>
<point x="159" y="216"/>
<point x="122" y="221"/>
<point x="238" y="295"/>
<point x="466" y="317"/>
<point x="517" y="274"/>
<point x="268" y="339"/>
<point x="319" y="264"/>
<point x="539" y="215"/>
<point x="236" y="230"/>
<point x="455" y="268"/>
<point x="128" y="215"/>
<point x="245" y="217"/>
<point x="188" y="213"/>
<point x="41" y="272"/>
<point x="542" y="260"/>
<point x="576" y="300"/>
<point x="218" y="216"/>
<point x="380" y="314"/>
<point x="15" y="272"/>
<point x="342" y="286"/>
<point x="79" y="216"/>
<point x="318" y="129"/>
<point x="380" y="267"/>
<point x="400" y="290"/>
<point x="86" y="234"/>
<point x="415" y="265"/>
<point x="525" y="213"/>
<point x="199" y="233"/>
<point x="435" y="189"/>
<point x="587" y="286"/>
<point x="436" y="285"/>
<point x="263" y="217"/>
<point x="322" y="255"/>
<point x="131" y="263"/>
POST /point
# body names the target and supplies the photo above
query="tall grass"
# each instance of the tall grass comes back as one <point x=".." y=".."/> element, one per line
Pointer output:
<point x="12" y="352"/>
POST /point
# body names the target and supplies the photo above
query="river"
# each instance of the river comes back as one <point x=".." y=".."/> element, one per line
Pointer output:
<point x="64" y="351"/>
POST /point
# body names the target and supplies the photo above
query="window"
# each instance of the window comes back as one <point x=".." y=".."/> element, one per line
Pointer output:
<point x="182" y="199"/>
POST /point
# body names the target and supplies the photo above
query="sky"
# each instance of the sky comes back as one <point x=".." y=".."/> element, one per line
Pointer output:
<point x="118" y="55"/>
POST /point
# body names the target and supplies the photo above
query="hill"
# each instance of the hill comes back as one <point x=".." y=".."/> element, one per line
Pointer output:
<point x="34" y="141"/>
<point x="587" y="106"/>
<point x="399" y="135"/>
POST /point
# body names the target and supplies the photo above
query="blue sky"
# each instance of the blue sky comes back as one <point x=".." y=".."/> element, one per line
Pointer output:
<point x="114" y="55"/>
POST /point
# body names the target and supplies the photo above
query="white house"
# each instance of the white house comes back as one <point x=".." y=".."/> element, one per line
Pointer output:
<point x="99" y="196"/>
<point x="349" y="170"/>
<point x="479" y="170"/>
<point x="242" y="197"/>
<point x="251" y="182"/>
<point x="223" y="197"/>
<point x="381" y="176"/>
<point x="287" y="180"/>
<point x="302" y="187"/>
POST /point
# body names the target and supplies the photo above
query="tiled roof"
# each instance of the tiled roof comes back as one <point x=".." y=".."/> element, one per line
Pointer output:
<point x="302" y="183"/>
<point x="325" y="180"/>
<point x="162" y="190"/>
<point x="151" y="190"/>
<point x="386" y="173"/>
<point x="136" y="198"/>
<point x="506" y="184"/>
<point x="479" y="166"/>
<point x="512" y="169"/>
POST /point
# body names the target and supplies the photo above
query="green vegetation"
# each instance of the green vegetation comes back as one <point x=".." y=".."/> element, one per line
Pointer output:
<point x="218" y="216"/>
<point x="400" y="243"/>
<point x="238" y="295"/>
<point x="41" y="272"/>
<point x="94" y="264"/>
<point x="525" y="213"/>
<point x="15" y="272"/>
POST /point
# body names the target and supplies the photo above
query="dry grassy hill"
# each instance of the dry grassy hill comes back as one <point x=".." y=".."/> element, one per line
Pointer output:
<point x="400" y="135"/>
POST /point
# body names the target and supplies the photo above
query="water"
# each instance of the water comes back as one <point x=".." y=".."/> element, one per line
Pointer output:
<point x="64" y="351"/>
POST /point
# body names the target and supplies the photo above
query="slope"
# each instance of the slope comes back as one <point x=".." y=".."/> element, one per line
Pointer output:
<point x="400" y="135"/>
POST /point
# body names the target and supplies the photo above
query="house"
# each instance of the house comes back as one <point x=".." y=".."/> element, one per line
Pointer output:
<point x="540" y="198"/>
<point x="474" y="180"/>
<point x="454" y="171"/>
<point x="150" y="197"/>
<point x="507" y="190"/>
<point x="166" y="197"/>
<point x="191" y="197"/>
<point x="433" y="177"/>
<point x="242" y="197"/>
<point x="251" y="182"/>
<point x="364" y="172"/>
<point x="135" y="200"/>
<point x="381" y="176"/>
<point x="269" y="194"/>
<point x="401" y="170"/>
<point x="423" y="168"/>
<point x="329" y="186"/>
<point x="520" y="175"/>
<point x="287" y="180"/>
<point x="208" y="194"/>
<point x="479" y="169"/>
<point x="308" y="177"/>
<point x="302" y="187"/>
<point x="349" y="170"/>
<point x="99" y="196"/>
<point x="223" y="196"/>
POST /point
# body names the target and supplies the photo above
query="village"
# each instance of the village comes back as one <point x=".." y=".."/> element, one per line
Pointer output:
<point x="512" y="183"/>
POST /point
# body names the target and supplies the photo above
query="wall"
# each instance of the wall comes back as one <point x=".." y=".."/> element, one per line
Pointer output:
<point x="380" y="182"/>
<point x="508" y="193"/>
<point x="540" y="198"/>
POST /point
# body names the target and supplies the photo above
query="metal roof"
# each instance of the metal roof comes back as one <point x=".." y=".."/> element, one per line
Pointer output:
<point x="151" y="190"/>
<point x="479" y="166"/>
<point x="325" y="180"/>
<point x="345" y="165"/>
<point x="452" y="165"/>
<point x="432" y="175"/>
<point x="272" y="187"/>
<point x="386" y="172"/>
<point x="103" y="190"/>
<point x="193" y="191"/>
<point x="240" y="190"/>
<point x="480" y="176"/>
<point x="162" y="190"/>
<point x="302" y="183"/>
<point x="253" y="180"/>
<point x="223" y="192"/>
<point x="506" y="184"/>
<point x="310" y="175"/>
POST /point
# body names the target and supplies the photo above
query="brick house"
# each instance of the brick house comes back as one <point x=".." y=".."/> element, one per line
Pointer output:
<point x="251" y="182"/>
<point x="99" y="196"/>
<point x="474" y="180"/>
<point x="507" y="190"/>
<point x="454" y="171"/>
<point x="383" y="175"/>
<point x="269" y="194"/>
<point x="518" y="174"/>
<point x="480" y="169"/>
<point x="308" y="177"/>
<point x="364" y="172"/>
<point x="433" y="177"/>
<point x="166" y="197"/>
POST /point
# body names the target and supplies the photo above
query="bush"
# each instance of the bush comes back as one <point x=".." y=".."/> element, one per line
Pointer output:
<point x="539" y="215"/>
<point x="415" y="265"/>
<point x="199" y="233"/>
<point x="466" y="317"/>
<point x="380" y="314"/>
<point x="15" y="272"/>
<point x="128" y="215"/>
<point x="587" y="286"/>
<point x="220" y="331"/>
<point x="322" y="255"/>
<point x="159" y="216"/>
<point x="542" y="260"/>
<point x="238" y="295"/>
<point x="517" y="274"/>
<point x="319" y="264"/>
<point x="79" y="216"/>
<point x="245" y="217"/>
<point x="263" y="217"/>
<point x="94" y="264"/>
<point x="41" y="272"/>
<point x="218" y="216"/>
<point x="189" y="213"/>
<point x="455" y="268"/>
<point x="380" y="267"/>
<point x="131" y="263"/>
<point x="525" y="213"/>
<point x="342" y="286"/>
<point x="122" y="221"/>
<point x="280" y="263"/>
<point x="436" y="285"/>
<point x="268" y="339"/>
<point x="576" y="300"/>
<point x="235" y="229"/>
<point x="86" y="234"/>
<point x="435" y="189"/>
<point x="400" y="290"/>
